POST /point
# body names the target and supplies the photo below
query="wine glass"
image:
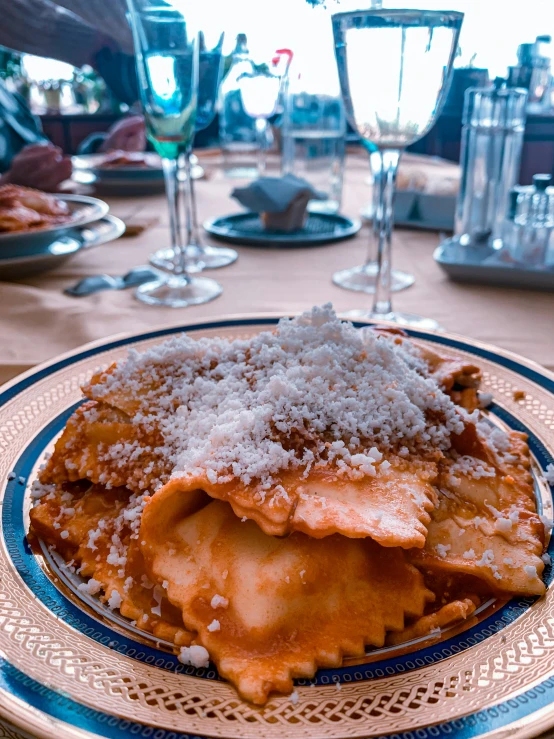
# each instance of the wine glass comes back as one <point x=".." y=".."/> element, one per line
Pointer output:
<point x="260" y="92"/>
<point x="394" y="69"/>
<point x="166" y="52"/>
<point x="209" y="77"/>
<point x="210" y="73"/>
<point x="363" y="277"/>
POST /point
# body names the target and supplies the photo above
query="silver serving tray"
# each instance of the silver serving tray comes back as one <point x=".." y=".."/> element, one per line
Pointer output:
<point x="482" y="266"/>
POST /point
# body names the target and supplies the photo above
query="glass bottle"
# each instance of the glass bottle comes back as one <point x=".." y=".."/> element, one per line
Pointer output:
<point x="237" y="130"/>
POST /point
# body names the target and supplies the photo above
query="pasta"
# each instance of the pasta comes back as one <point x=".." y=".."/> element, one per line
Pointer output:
<point x="269" y="609"/>
<point x="23" y="209"/>
<point x="282" y="503"/>
<point x="486" y="524"/>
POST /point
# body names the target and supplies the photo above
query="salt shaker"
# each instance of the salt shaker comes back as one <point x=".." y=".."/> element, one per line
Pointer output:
<point x="533" y="222"/>
<point x="492" y="138"/>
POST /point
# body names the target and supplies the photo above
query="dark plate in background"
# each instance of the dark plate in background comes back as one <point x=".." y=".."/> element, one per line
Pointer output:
<point x="247" y="229"/>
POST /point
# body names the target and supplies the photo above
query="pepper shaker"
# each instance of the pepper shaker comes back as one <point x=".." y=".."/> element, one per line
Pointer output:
<point x="492" y="138"/>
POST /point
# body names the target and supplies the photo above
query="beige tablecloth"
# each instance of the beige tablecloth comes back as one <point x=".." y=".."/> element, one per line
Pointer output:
<point x="37" y="321"/>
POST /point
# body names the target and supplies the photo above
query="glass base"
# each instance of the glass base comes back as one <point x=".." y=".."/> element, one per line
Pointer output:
<point x="178" y="292"/>
<point x="410" y="320"/>
<point x="207" y="257"/>
<point x="214" y="257"/>
<point x="364" y="278"/>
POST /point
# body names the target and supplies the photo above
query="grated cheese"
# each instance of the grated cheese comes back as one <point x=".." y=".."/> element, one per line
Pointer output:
<point x="91" y="587"/>
<point x="471" y="467"/>
<point x="196" y="656"/>
<point x="485" y="399"/>
<point x="114" y="600"/>
<point x="315" y="390"/>
<point x="218" y="601"/>
<point x="487" y="558"/>
<point x="503" y="525"/>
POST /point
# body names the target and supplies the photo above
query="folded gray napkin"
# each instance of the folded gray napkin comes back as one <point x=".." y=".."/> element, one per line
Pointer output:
<point x="280" y="201"/>
<point x="275" y="194"/>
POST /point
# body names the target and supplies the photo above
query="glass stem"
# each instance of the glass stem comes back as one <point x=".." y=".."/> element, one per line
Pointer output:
<point x="384" y="219"/>
<point x="193" y="250"/>
<point x="261" y="131"/>
<point x="175" y="196"/>
<point x="194" y="229"/>
<point x="376" y="170"/>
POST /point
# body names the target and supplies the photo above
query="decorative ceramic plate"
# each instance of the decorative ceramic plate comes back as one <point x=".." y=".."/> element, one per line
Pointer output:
<point x="247" y="229"/>
<point x="69" y="667"/>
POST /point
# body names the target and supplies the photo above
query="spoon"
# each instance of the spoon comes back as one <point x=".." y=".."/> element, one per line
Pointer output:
<point x="97" y="283"/>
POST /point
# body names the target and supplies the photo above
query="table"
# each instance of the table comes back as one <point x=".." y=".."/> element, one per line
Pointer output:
<point x="37" y="321"/>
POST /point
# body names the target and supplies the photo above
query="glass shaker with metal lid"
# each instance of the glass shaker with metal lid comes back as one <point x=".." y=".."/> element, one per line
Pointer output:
<point x="530" y="222"/>
<point x="492" y="138"/>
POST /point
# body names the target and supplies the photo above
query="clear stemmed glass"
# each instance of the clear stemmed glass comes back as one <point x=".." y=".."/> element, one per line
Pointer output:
<point x="260" y="93"/>
<point x="166" y="51"/>
<point x="211" y="69"/>
<point x="363" y="277"/>
<point x="209" y="78"/>
<point x="394" y="68"/>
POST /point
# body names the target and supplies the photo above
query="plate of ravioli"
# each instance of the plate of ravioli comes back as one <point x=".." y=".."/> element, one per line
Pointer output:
<point x="265" y="526"/>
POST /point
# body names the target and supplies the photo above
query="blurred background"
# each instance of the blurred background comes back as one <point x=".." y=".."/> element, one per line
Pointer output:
<point x="498" y="39"/>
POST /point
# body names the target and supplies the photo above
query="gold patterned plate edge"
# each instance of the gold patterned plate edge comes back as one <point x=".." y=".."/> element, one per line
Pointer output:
<point x="74" y="686"/>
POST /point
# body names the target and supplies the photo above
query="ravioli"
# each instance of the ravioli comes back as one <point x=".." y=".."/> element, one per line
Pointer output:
<point x="88" y="445"/>
<point x="450" y="614"/>
<point x="486" y="523"/>
<point x="392" y="508"/>
<point x="80" y="521"/>
<point x="458" y="377"/>
<point x="391" y="505"/>
<point x="270" y="609"/>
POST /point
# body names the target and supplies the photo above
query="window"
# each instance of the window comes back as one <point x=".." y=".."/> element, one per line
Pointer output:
<point x="492" y="30"/>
